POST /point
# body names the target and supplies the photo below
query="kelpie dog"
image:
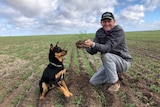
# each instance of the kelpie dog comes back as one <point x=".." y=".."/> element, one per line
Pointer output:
<point x="54" y="72"/>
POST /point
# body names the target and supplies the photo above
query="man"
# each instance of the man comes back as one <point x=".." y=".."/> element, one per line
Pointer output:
<point x="110" y="42"/>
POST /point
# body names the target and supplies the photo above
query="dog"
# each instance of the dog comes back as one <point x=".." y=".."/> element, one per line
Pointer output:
<point x="54" y="73"/>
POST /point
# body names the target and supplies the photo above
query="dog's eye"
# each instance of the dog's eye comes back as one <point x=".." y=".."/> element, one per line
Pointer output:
<point x="59" y="49"/>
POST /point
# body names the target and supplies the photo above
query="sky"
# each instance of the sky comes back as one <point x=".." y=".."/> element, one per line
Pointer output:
<point x="47" y="17"/>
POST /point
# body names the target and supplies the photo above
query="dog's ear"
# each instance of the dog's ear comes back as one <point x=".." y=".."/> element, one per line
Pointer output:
<point x="57" y="43"/>
<point x="51" y="46"/>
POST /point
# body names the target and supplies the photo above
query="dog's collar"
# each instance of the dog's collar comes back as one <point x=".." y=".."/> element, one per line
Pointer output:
<point x="56" y="64"/>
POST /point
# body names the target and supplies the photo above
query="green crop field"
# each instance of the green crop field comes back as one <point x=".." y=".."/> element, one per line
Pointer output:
<point x="23" y="59"/>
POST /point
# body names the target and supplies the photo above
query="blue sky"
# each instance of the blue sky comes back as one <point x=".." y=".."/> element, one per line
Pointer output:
<point x="42" y="17"/>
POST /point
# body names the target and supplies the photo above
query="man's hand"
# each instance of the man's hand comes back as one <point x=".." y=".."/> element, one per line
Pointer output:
<point x="84" y="43"/>
<point x="81" y="44"/>
<point x="89" y="42"/>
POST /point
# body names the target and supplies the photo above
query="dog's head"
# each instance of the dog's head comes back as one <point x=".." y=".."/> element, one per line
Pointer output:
<point x="56" y="53"/>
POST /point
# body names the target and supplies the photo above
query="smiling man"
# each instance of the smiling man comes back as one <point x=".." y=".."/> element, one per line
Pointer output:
<point x="111" y="43"/>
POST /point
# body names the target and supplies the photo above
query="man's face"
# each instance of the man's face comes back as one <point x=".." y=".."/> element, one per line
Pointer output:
<point x="108" y="24"/>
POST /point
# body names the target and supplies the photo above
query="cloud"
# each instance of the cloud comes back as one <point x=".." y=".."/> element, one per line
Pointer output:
<point x="32" y="8"/>
<point x="55" y="15"/>
<point x="132" y="16"/>
<point x="133" y="13"/>
<point x="71" y="16"/>
<point x="151" y="5"/>
<point x="142" y="26"/>
<point x="74" y="11"/>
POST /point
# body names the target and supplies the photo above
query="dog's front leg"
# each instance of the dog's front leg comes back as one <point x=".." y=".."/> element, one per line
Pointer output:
<point x="58" y="75"/>
<point x="65" y="92"/>
<point x="65" y="86"/>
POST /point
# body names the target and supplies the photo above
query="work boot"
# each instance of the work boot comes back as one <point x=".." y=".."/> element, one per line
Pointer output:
<point x="114" y="87"/>
<point x="120" y="76"/>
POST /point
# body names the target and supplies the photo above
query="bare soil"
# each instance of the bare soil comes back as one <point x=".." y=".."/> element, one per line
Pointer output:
<point x="134" y="92"/>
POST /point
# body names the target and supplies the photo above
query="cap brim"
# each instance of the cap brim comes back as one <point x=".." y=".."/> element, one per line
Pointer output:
<point x="110" y="18"/>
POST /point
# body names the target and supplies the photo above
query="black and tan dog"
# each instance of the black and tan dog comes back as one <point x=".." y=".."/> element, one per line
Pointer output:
<point x="54" y="72"/>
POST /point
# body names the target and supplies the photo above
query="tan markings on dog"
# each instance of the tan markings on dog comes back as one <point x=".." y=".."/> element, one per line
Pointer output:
<point x="45" y="89"/>
<point x="65" y="86"/>
<point x="59" y="55"/>
<point x="65" y="92"/>
<point x="60" y="73"/>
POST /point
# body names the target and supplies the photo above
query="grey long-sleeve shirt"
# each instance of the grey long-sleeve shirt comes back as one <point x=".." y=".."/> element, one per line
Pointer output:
<point x="113" y="41"/>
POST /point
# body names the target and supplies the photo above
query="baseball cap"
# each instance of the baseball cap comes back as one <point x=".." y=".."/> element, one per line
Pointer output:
<point x="107" y="15"/>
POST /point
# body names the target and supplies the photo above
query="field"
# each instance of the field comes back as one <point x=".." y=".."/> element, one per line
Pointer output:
<point x="23" y="59"/>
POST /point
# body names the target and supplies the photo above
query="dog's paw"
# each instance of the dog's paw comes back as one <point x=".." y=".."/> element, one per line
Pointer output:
<point x="67" y="95"/>
<point x="70" y="94"/>
<point x="41" y="97"/>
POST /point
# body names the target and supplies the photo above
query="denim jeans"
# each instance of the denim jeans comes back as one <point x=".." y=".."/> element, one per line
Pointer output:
<point x="112" y="65"/>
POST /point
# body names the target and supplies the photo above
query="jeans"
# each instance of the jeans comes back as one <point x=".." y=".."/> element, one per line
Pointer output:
<point x="112" y="65"/>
